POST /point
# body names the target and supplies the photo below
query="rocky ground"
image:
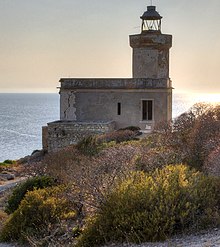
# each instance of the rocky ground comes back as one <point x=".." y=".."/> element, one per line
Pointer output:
<point x="25" y="167"/>
<point x="13" y="174"/>
<point x="9" y="245"/>
<point x="206" y="239"/>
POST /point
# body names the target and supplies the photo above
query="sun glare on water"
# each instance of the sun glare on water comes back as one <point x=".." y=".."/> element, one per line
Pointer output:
<point x="212" y="98"/>
<point x="209" y="98"/>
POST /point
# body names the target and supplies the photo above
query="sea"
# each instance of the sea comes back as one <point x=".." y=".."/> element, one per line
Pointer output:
<point x="23" y="115"/>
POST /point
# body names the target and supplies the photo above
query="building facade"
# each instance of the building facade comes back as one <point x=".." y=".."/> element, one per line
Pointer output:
<point x="92" y="106"/>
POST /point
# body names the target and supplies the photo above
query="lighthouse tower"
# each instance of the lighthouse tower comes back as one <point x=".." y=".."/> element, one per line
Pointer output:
<point x="151" y="48"/>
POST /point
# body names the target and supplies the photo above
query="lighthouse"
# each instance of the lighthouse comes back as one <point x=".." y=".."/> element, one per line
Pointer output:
<point x="101" y="105"/>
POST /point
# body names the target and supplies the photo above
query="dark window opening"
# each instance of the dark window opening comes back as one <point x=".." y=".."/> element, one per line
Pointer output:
<point x="147" y="110"/>
<point x="119" y="108"/>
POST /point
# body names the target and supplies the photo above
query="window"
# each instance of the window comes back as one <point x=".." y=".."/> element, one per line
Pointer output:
<point x="147" y="110"/>
<point x="119" y="108"/>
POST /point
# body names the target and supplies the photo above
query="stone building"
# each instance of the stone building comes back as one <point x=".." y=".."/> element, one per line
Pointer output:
<point x="91" y="106"/>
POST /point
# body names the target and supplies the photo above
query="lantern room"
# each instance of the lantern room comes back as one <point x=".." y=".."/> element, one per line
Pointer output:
<point x="151" y="20"/>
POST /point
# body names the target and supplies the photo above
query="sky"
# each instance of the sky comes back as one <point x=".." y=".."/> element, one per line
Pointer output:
<point x="42" y="41"/>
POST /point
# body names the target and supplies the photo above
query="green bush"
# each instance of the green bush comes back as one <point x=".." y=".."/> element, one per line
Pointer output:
<point x="38" y="211"/>
<point x="9" y="162"/>
<point x="29" y="185"/>
<point x="153" y="207"/>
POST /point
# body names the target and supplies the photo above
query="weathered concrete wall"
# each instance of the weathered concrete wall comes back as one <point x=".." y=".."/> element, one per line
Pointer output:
<point x="63" y="133"/>
<point x="102" y="105"/>
<point x="151" y="55"/>
<point x="67" y="105"/>
<point x="45" y="137"/>
<point x="150" y="63"/>
<point x="73" y="84"/>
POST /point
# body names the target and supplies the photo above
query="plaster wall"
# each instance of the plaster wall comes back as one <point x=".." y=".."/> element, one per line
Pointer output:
<point x="67" y="105"/>
<point x="102" y="105"/>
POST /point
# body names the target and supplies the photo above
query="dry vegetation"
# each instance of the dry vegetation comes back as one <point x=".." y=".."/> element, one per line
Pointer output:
<point x="99" y="167"/>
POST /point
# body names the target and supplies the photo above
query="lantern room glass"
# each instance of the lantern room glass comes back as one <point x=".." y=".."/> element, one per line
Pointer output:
<point x="151" y="25"/>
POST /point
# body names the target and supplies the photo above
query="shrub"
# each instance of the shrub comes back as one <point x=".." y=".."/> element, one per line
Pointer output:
<point x="194" y="134"/>
<point x="153" y="207"/>
<point x="154" y="158"/>
<point x="132" y="128"/>
<point x="212" y="163"/>
<point x="9" y="162"/>
<point x="207" y="127"/>
<point x="92" y="145"/>
<point x="37" y="213"/>
<point x="89" y="145"/>
<point x="93" y="176"/>
<point x="29" y="185"/>
<point x="3" y="218"/>
<point x="135" y="129"/>
<point x="202" y="125"/>
<point x="118" y="136"/>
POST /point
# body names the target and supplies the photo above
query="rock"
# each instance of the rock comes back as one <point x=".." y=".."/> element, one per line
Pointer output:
<point x="7" y="176"/>
<point x="24" y="159"/>
<point x="36" y="156"/>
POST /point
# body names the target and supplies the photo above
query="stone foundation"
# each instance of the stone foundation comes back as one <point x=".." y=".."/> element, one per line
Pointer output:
<point x="59" y="134"/>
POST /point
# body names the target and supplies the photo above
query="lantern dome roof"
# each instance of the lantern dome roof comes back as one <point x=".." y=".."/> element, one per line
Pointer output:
<point x="151" y="14"/>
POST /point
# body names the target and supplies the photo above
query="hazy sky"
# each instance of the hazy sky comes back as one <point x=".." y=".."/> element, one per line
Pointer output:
<point x="44" y="40"/>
